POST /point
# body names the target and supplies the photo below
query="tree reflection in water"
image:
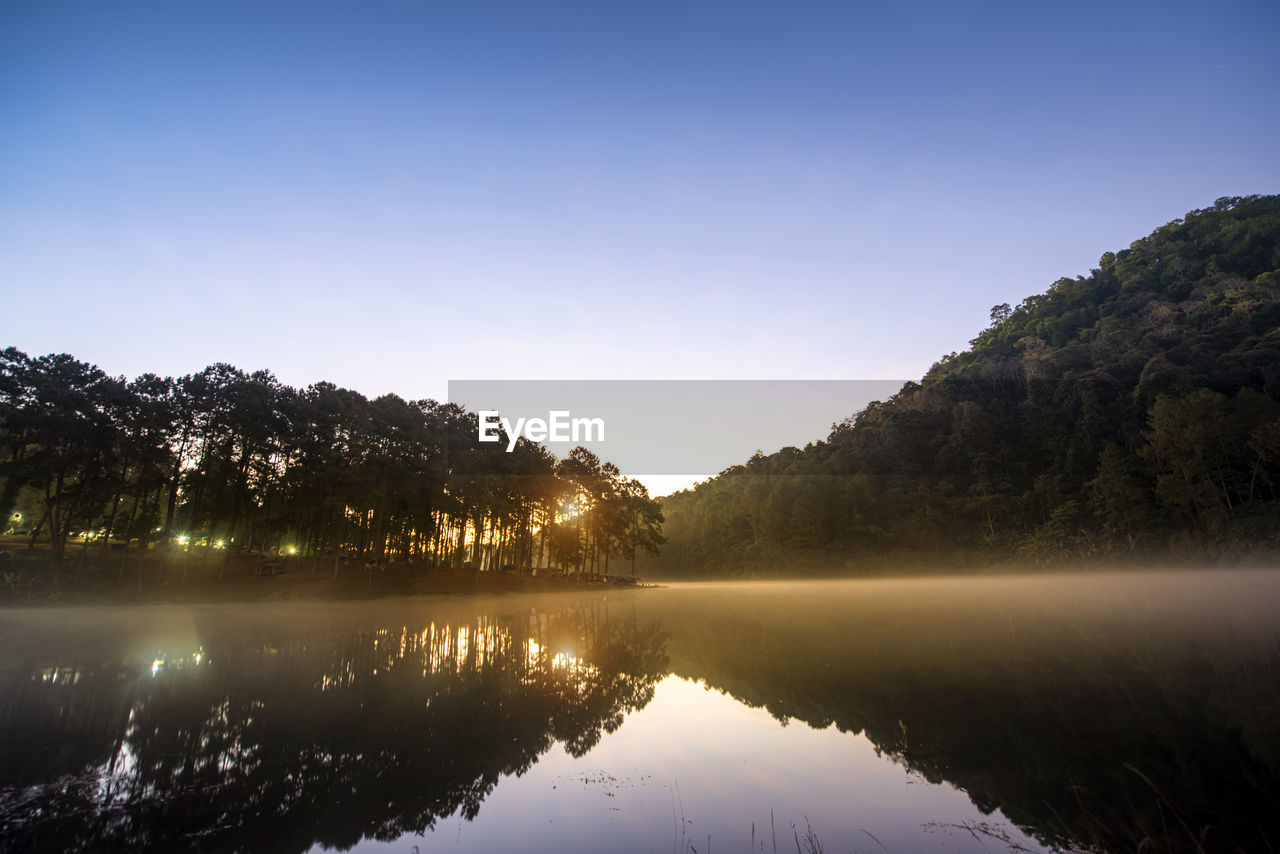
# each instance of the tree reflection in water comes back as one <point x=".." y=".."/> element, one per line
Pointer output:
<point x="278" y="741"/>
<point x="1110" y="712"/>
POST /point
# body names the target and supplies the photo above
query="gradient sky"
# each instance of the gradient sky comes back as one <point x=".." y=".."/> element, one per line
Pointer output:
<point x="390" y="195"/>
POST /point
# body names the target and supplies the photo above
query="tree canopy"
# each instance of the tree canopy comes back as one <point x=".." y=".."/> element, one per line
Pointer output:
<point x="224" y="459"/>
<point x="1135" y="410"/>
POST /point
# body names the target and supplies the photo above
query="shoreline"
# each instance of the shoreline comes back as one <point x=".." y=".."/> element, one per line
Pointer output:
<point x="169" y="581"/>
<point x="97" y="579"/>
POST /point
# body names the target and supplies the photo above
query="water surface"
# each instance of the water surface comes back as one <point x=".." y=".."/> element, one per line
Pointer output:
<point x="961" y="714"/>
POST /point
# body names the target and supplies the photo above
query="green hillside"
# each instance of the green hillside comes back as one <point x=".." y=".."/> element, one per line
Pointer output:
<point x="1132" y="412"/>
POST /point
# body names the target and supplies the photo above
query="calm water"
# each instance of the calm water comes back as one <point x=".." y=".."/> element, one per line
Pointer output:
<point x="989" y="714"/>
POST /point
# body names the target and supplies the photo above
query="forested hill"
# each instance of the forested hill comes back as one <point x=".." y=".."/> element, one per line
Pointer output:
<point x="1131" y="412"/>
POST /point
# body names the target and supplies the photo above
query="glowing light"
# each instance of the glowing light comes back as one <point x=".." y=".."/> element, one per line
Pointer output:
<point x="156" y="665"/>
<point x="219" y="544"/>
<point x="183" y="540"/>
<point x="292" y="551"/>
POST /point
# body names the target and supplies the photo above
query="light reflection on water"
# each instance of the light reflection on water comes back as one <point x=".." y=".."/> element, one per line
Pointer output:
<point x="898" y="715"/>
<point x="731" y="767"/>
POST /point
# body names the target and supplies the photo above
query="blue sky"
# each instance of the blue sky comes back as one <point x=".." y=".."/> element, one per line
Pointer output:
<point x="392" y="195"/>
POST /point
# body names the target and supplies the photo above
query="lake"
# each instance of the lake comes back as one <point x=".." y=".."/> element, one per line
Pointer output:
<point x="1099" y="711"/>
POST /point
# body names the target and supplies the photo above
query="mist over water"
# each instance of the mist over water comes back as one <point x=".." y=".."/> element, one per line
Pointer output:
<point x="1087" y="711"/>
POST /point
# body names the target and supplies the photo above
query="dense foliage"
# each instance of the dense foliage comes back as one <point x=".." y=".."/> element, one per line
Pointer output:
<point x="1133" y="411"/>
<point x="226" y="460"/>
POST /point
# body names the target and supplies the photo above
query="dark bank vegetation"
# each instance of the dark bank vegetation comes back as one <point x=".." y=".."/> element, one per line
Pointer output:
<point x="134" y="478"/>
<point x="1134" y="412"/>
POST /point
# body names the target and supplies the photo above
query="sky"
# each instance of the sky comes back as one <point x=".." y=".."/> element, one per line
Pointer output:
<point x="393" y="195"/>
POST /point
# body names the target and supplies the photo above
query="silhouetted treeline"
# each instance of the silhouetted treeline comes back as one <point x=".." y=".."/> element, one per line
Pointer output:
<point x="1129" y="412"/>
<point x="223" y="459"/>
